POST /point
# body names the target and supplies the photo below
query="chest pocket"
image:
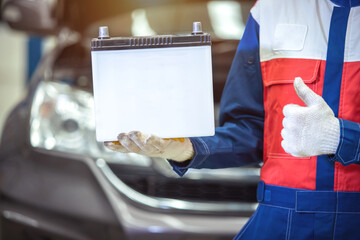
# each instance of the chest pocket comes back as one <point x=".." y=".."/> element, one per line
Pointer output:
<point x="278" y="77"/>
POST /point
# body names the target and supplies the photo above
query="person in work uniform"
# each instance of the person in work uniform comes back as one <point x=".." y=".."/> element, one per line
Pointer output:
<point x="292" y="101"/>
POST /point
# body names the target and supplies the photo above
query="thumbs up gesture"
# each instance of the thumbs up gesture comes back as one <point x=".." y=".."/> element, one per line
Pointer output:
<point x="311" y="130"/>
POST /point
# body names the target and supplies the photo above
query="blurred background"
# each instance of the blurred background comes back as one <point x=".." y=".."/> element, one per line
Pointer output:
<point x="13" y="67"/>
<point x="20" y="54"/>
<point x="56" y="181"/>
<point x="21" y="51"/>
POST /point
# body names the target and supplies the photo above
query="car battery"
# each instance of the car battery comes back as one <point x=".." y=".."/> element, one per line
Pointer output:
<point x="160" y="85"/>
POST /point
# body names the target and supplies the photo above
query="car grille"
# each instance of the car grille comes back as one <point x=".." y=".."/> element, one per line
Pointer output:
<point x="188" y="189"/>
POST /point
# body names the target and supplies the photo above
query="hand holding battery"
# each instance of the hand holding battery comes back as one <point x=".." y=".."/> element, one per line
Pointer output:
<point x="177" y="149"/>
<point x="311" y="130"/>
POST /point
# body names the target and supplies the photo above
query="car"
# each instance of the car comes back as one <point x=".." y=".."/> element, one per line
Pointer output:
<point x="58" y="182"/>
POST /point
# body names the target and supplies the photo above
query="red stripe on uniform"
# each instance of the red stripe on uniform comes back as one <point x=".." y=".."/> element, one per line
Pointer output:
<point x="279" y="167"/>
<point x="348" y="178"/>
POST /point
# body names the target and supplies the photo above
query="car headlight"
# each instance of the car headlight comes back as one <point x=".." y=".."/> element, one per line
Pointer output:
<point x="62" y="119"/>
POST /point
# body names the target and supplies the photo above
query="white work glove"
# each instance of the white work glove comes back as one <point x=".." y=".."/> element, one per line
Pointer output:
<point x="311" y="130"/>
<point x="177" y="149"/>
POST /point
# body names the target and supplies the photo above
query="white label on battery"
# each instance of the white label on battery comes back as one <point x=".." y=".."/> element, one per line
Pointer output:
<point x="162" y="91"/>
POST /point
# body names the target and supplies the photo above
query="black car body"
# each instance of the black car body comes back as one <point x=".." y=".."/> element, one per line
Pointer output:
<point x="57" y="182"/>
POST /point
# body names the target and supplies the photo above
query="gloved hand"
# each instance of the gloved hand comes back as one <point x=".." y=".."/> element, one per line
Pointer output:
<point x="177" y="149"/>
<point x="311" y="130"/>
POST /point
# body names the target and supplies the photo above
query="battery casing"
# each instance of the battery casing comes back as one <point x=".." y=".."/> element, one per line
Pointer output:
<point x="160" y="85"/>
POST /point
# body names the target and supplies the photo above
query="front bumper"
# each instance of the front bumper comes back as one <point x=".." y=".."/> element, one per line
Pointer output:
<point x="41" y="189"/>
